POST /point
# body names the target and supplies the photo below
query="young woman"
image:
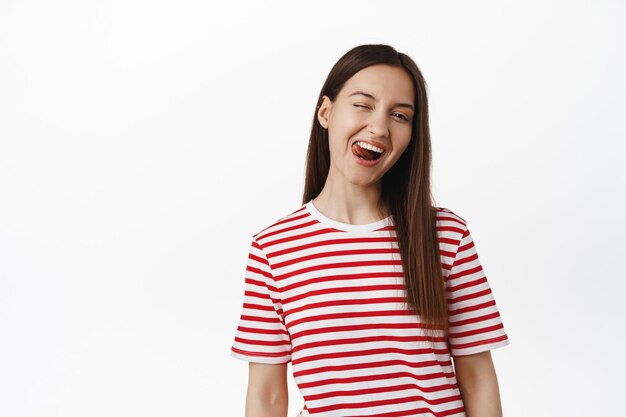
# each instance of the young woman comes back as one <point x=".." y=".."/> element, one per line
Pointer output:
<point x="369" y="289"/>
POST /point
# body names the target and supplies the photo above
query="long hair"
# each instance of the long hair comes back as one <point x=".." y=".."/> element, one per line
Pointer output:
<point x="406" y="193"/>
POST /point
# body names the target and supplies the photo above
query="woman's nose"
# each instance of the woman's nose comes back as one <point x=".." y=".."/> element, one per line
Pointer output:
<point x="378" y="124"/>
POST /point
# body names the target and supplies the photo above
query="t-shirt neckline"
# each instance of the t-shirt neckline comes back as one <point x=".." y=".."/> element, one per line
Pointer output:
<point x="345" y="227"/>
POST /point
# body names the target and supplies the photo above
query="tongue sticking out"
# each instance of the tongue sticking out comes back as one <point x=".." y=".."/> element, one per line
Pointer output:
<point x="364" y="153"/>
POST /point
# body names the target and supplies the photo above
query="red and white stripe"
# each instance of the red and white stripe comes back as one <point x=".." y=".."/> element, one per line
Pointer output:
<point x="330" y="300"/>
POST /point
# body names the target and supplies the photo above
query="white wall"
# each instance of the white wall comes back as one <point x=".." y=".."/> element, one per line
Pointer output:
<point x="142" y="144"/>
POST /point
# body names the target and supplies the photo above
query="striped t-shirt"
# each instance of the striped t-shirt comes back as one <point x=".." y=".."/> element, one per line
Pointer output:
<point x="328" y="296"/>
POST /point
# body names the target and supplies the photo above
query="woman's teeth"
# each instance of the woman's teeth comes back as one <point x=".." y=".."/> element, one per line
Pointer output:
<point x="366" y="145"/>
<point x="366" y="151"/>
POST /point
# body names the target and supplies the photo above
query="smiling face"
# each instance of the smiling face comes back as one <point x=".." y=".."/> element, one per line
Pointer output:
<point x="376" y="105"/>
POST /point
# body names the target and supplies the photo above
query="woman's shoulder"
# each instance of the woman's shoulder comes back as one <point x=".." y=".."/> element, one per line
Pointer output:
<point x="283" y="222"/>
<point x="449" y="221"/>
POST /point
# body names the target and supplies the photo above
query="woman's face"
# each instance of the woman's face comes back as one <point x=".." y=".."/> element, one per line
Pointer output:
<point x="375" y="106"/>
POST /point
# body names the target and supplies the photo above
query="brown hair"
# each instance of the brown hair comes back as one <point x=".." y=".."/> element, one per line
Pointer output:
<point x="406" y="193"/>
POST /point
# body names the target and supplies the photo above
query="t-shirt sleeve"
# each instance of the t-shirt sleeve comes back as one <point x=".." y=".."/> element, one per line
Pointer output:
<point x="261" y="334"/>
<point x="474" y="320"/>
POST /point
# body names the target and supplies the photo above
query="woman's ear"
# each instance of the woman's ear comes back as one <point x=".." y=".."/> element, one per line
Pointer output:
<point x="323" y="111"/>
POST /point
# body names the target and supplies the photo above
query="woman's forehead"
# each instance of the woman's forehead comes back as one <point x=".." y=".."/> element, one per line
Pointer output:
<point x="380" y="82"/>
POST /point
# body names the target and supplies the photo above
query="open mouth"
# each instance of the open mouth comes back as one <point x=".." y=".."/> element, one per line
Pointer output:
<point x="366" y="151"/>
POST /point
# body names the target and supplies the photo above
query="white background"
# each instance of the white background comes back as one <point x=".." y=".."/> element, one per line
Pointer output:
<point x="142" y="143"/>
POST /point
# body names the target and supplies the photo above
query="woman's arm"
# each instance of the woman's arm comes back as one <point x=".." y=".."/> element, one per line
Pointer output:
<point x="267" y="394"/>
<point x="478" y="384"/>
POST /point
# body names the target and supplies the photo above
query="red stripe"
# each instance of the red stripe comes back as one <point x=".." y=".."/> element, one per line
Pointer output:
<point x="365" y="365"/>
<point x="473" y="320"/>
<point x="471" y="308"/>
<point x="467" y="284"/>
<point x="418" y="412"/>
<point x="250" y="281"/>
<point x="377" y="351"/>
<point x="454" y="229"/>
<point x="465" y="273"/>
<point x="353" y="290"/>
<point x="257" y="295"/>
<point x="385" y="388"/>
<point x="358" y="314"/>
<point x="262" y="331"/>
<point x="358" y="340"/>
<point x="368" y="301"/>
<point x="297" y="260"/>
<point x="476" y="331"/>
<point x="341" y="277"/>
<point x="256" y="342"/>
<point x="253" y="353"/>
<point x="370" y="404"/>
<point x="356" y="327"/>
<point x="250" y="306"/>
<point x="385" y="376"/>
<point x="354" y="264"/>
<point x="258" y="271"/>
<point x="350" y="241"/>
<point x="284" y="230"/>
<point x="260" y="319"/>
<point x="478" y="343"/>
<point x="471" y="296"/>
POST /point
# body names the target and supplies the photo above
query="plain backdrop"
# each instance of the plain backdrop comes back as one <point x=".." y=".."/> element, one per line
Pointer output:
<point x="143" y="143"/>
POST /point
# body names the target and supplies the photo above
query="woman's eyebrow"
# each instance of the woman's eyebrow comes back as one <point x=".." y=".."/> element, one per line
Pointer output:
<point x="410" y="106"/>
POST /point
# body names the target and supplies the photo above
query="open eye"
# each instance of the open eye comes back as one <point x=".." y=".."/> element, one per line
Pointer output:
<point x="402" y="116"/>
